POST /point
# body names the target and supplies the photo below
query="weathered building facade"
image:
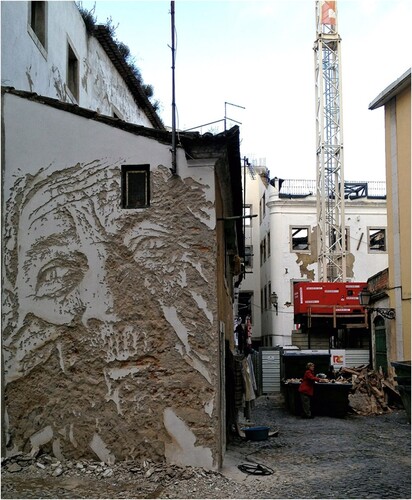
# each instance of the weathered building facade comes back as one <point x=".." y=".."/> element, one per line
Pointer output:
<point x="111" y="324"/>
<point x="286" y="251"/>
<point x="48" y="49"/>
<point x="118" y="274"/>
<point x="396" y="99"/>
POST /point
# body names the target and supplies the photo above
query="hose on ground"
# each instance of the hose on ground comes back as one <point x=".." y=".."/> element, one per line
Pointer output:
<point x="255" y="469"/>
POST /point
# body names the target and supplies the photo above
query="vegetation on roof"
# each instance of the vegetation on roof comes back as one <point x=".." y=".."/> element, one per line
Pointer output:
<point x="90" y="20"/>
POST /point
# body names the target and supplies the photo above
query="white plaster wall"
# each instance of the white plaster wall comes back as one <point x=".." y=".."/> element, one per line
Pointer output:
<point x="359" y="216"/>
<point x="25" y="66"/>
<point x="109" y="315"/>
<point x="102" y="87"/>
<point x="15" y="64"/>
<point x="288" y="266"/>
<point x="29" y="147"/>
<point x="266" y="266"/>
<point x="252" y="237"/>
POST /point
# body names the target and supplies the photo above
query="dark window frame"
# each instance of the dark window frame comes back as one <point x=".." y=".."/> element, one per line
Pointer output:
<point x="248" y="257"/>
<point x="299" y="241"/>
<point x="144" y="172"/>
<point x="247" y="212"/>
<point x="377" y="240"/>
<point x="38" y="24"/>
<point x="73" y="69"/>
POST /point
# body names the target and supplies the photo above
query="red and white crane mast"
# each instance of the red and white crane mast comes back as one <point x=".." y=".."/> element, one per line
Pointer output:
<point x="329" y="146"/>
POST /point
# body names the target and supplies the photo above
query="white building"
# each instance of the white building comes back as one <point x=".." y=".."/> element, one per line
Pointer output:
<point x="287" y="251"/>
<point x="47" y="49"/>
<point x="249" y="296"/>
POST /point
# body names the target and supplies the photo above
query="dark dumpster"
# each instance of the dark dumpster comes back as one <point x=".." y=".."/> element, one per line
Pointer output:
<point x="330" y="398"/>
<point x="403" y="378"/>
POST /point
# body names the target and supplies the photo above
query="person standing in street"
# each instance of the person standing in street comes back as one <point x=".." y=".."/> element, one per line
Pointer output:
<point x="306" y="389"/>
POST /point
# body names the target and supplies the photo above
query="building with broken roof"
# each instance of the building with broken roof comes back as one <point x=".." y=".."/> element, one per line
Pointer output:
<point x="281" y="249"/>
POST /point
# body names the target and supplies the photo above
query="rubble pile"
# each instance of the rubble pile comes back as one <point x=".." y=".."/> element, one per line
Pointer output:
<point x="147" y="477"/>
<point x="370" y="392"/>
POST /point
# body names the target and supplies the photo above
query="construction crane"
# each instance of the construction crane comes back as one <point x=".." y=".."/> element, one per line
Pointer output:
<point x="329" y="146"/>
<point x="329" y="307"/>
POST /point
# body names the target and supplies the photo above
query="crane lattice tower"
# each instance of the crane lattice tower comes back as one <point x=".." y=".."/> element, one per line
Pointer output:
<point x="329" y="146"/>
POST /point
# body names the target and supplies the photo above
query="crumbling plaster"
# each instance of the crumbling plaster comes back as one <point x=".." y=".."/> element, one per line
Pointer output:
<point x="43" y="70"/>
<point x="105" y="88"/>
<point x="305" y="259"/>
<point x="295" y="266"/>
<point x="110" y="331"/>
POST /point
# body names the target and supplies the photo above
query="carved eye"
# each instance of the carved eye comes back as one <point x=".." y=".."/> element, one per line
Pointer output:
<point x="59" y="276"/>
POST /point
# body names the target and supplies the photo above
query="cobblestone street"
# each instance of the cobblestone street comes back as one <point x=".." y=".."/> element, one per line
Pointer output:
<point x="351" y="457"/>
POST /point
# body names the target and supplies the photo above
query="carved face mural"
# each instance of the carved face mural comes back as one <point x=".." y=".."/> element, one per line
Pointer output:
<point x="108" y="313"/>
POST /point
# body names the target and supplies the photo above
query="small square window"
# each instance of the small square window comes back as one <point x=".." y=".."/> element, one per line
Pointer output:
<point x="299" y="239"/>
<point x="135" y="186"/>
<point x="377" y="239"/>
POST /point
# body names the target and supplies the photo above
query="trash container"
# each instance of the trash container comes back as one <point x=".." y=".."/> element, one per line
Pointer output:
<point x="330" y="398"/>
<point x="403" y="378"/>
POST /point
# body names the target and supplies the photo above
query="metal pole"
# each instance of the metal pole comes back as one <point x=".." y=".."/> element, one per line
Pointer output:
<point x="245" y="160"/>
<point x="174" y="165"/>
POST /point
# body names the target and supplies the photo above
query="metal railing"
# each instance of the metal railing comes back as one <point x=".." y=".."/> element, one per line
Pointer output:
<point x="298" y="188"/>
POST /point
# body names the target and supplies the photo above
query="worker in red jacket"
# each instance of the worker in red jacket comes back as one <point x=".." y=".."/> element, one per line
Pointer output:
<point x="306" y="389"/>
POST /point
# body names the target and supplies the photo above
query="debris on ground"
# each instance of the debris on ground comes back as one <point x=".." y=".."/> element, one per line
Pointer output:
<point x="371" y="393"/>
<point x="300" y="458"/>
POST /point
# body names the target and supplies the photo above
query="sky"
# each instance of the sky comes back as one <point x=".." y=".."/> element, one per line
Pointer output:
<point x="257" y="56"/>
